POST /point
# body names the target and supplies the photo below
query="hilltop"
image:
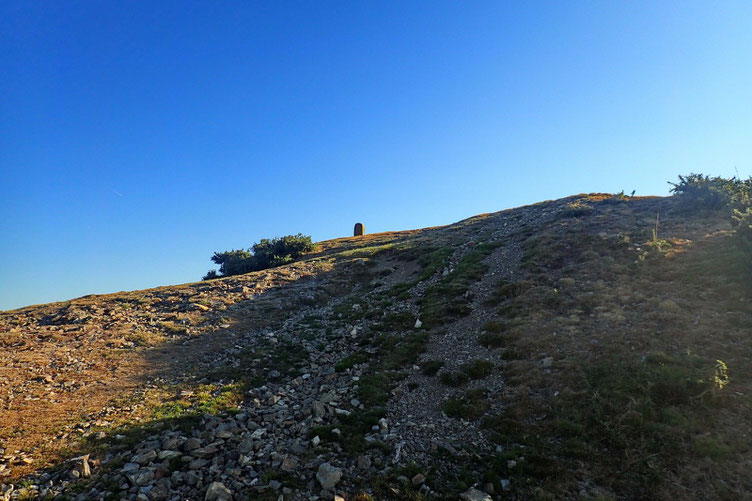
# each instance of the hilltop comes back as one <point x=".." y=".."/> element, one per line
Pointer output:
<point x="593" y="347"/>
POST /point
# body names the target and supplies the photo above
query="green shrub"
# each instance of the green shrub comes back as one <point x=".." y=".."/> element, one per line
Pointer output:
<point x="477" y="369"/>
<point x="431" y="367"/>
<point x="743" y="222"/>
<point x="698" y="190"/>
<point x="264" y="254"/>
<point x="470" y="406"/>
<point x="359" y="357"/>
<point x="452" y="378"/>
<point x="491" y="339"/>
<point x="505" y="291"/>
<point x="210" y="275"/>
<point x="281" y="250"/>
<point x="707" y="192"/>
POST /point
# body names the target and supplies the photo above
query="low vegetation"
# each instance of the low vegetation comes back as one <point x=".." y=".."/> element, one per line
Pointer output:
<point x="700" y="192"/>
<point x="611" y="361"/>
<point x="472" y="405"/>
<point x="265" y="254"/>
<point x="448" y="298"/>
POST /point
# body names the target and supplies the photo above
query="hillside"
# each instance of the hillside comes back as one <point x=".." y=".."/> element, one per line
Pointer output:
<point x="570" y="349"/>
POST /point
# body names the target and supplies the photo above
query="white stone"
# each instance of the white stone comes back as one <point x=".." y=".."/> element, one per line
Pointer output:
<point x="474" y="495"/>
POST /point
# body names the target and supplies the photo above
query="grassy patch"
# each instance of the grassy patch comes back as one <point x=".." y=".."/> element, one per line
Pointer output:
<point x="448" y="298"/>
<point x="477" y="369"/>
<point x="401" y="291"/>
<point x="630" y="419"/>
<point x="492" y="339"/>
<point x="173" y="328"/>
<point x="393" y="353"/>
<point x="494" y="326"/>
<point x="433" y="260"/>
<point x="399" y="351"/>
<point x="249" y="365"/>
<point x="577" y="208"/>
<point x="359" y="357"/>
<point x="504" y="291"/>
<point x="396" y="322"/>
<point x="288" y="479"/>
<point x="453" y="378"/>
<point x="469" y="407"/>
<point x="374" y="389"/>
<point x="371" y="251"/>
<point x="431" y="367"/>
<point x="712" y="448"/>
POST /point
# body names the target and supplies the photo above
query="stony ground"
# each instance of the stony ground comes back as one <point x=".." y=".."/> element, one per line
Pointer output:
<point x="435" y="364"/>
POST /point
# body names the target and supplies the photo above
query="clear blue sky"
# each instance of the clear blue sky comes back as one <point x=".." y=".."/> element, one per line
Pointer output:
<point x="137" y="138"/>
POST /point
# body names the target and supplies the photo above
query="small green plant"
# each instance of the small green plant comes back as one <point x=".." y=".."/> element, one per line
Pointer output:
<point x="396" y="322"/>
<point x="453" y="378"/>
<point x="494" y="326"/>
<point x="470" y="406"/>
<point x="577" y="208"/>
<point x="491" y="339"/>
<point x="477" y="369"/>
<point x="505" y="291"/>
<point x="656" y="243"/>
<point x="173" y="328"/>
<point x="210" y="275"/>
<point x="431" y="367"/>
<point x="711" y="448"/>
<point x="359" y="357"/>
<point x="448" y="298"/>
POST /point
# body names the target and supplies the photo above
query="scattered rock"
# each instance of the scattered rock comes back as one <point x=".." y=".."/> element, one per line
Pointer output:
<point x="364" y="462"/>
<point x="218" y="492"/>
<point x="328" y="476"/>
<point x="474" y="494"/>
<point x="145" y="458"/>
<point x="289" y="464"/>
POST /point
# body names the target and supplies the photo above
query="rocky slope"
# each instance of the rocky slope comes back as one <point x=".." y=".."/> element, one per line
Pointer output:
<point x="567" y="350"/>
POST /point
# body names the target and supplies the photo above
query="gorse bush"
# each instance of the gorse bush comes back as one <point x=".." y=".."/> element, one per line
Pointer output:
<point x="700" y="191"/>
<point x="743" y="222"/>
<point x="712" y="193"/>
<point x="279" y="251"/>
<point x="265" y="254"/>
<point x="211" y="274"/>
<point x="234" y="262"/>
